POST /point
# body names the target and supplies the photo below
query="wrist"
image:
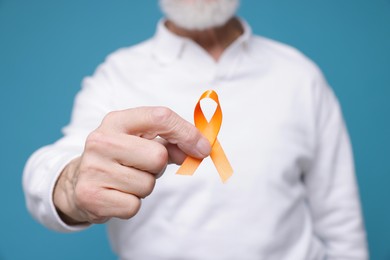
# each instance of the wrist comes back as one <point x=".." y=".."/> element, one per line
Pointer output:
<point x="64" y="193"/>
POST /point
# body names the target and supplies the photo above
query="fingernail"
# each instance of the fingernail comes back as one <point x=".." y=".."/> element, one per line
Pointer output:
<point x="203" y="147"/>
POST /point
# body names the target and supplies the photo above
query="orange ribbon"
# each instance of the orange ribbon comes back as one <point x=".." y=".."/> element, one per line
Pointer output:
<point x="210" y="130"/>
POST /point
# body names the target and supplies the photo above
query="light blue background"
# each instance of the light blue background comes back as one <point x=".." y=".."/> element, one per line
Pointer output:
<point x="47" y="47"/>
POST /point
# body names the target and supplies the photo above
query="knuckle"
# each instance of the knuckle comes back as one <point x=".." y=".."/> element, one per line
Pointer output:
<point x="94" y="140"/>
<point x="161" y="115"/>
<point x="89" y="171"/>
<point x="87" y="166"/>
<point x="110" y="117"/>
<point x="97" y="141"/>
<point x="86" y="196"/>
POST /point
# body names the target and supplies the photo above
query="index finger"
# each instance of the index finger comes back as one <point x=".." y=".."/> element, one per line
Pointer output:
<point x="150" y="122"/>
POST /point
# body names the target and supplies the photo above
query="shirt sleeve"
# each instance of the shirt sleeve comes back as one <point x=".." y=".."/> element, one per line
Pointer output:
<point x="44" y="166"/>
<point x="330" y="182"/>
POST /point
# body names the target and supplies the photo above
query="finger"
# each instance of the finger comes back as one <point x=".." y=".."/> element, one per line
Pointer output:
<point x="132" y="151"/>
<point x="113" y="203"/>
<point x="126" y="179"/>
<point x="121" y="205"/>
<point x="175" y="155"/>
<point x="149" y="122"/>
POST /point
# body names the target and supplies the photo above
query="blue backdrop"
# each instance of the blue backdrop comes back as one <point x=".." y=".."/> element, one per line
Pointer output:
<point x="47" y="47"/>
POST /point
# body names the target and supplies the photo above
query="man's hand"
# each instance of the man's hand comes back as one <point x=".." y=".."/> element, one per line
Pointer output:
<point x="121" y="161"/>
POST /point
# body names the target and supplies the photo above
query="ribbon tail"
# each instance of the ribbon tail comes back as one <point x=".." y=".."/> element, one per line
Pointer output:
<point x="189" y="166"/>
<point x="221" y="162"/>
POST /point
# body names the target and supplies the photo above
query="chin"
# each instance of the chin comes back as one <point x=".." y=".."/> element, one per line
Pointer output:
<point x="199" y="14"/>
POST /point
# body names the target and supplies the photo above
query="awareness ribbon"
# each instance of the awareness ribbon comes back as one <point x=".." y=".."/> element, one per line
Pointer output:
<point x="210" y="130"/>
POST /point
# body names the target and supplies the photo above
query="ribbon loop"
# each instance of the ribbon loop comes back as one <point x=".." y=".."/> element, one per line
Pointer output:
<point x="210" y="130"/>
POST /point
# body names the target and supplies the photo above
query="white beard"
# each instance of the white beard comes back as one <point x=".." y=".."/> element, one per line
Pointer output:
<point x="199" y="14"/>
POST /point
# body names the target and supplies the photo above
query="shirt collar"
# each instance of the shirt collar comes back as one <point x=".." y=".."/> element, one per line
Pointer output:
<point x="168" y="46"/>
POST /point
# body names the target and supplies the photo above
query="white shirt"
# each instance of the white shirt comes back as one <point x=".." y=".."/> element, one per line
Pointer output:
<point x="293" y="193"/>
